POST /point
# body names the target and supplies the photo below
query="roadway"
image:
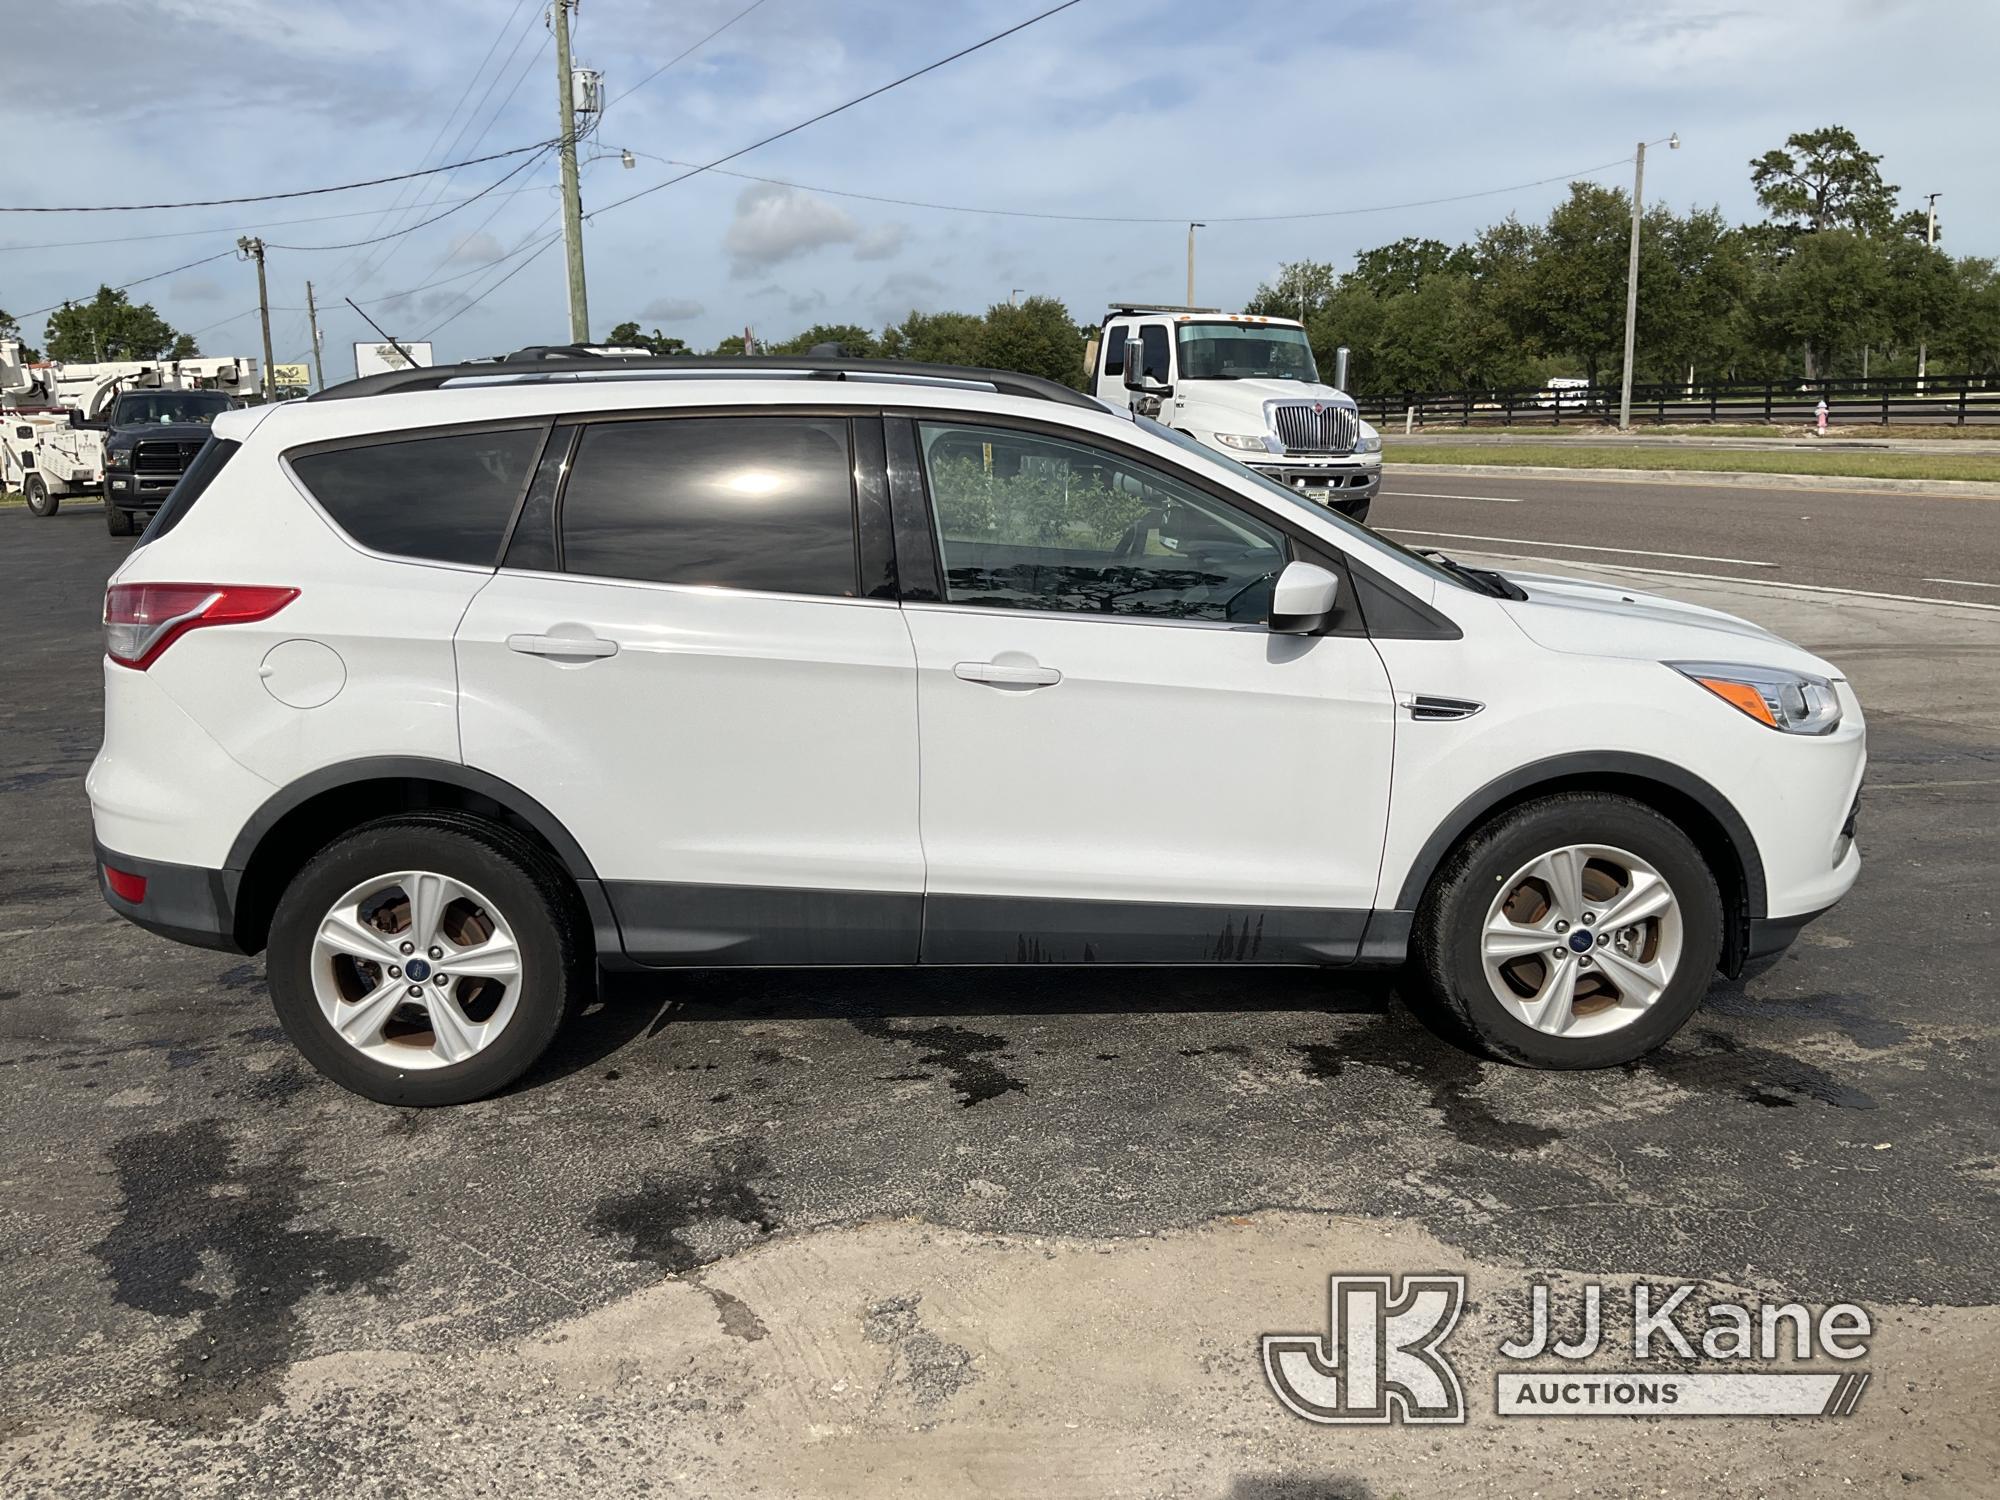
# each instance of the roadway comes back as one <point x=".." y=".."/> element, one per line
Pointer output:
<point x="1943" y="548"/>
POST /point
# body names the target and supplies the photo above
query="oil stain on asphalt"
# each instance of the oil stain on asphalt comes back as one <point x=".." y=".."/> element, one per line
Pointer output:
<point x="189" y="1202"/>
<point x="961" y="1052"/>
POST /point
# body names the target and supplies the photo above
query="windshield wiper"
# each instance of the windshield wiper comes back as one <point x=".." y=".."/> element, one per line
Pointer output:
<point x="1481" y="580"/>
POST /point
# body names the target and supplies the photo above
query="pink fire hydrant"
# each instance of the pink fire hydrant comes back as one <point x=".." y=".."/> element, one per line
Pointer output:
<point x="1821" y="413"/>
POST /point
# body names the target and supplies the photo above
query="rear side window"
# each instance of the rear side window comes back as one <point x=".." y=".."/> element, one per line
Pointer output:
<point x="444" y="499"/>
<point x="197" y="477"/>
<point x="1114" y="348"/>
<point x="762" y="503"/>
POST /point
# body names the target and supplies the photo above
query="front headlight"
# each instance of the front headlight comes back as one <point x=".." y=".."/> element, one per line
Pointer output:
<point x="1796" y="702"/>
<point x="1247" y="442"/>
<point x="1371" y="440"/>
<point x="118" y="458"/>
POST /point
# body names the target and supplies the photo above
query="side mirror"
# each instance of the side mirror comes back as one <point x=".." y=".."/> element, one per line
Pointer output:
<point x="1135" y="374"/>
<point x="1303" y="599"/>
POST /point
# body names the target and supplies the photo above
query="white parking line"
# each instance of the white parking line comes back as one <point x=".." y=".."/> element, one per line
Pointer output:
<point x="1515" y="541"/>
<point x="1775" y="583"/>
<point x="1433" y="495"/>
<point x="1964" y="583"/>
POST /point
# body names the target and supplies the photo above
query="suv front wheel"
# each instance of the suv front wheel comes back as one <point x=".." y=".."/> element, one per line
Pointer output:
<point x="1577" y="931"/>
<point x="425" y="960"/>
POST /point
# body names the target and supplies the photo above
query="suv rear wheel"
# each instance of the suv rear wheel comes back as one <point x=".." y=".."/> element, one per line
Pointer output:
<point x="426" y="959"/>
<point x="1577" y="931"/>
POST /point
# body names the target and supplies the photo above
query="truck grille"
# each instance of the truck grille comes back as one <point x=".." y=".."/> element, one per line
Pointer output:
<point x="1317" y="427"/>
<point x="163" y="458"/>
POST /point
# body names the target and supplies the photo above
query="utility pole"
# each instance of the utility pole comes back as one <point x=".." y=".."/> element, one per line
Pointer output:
<point x="312" y="325"/>
<point x="572" y="205"/>
<point x="1191" y="229"/>
<point x="1632" y="278"/>
<point x="253" y="249"/>
<point x="1930" y="242"/>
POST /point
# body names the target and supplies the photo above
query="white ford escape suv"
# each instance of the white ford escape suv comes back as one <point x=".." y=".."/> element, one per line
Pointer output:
<point x="450" y="685"/>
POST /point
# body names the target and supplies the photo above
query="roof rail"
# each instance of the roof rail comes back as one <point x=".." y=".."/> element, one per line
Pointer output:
<point x="1146" y="307"/>
<point x="540" y="362"/>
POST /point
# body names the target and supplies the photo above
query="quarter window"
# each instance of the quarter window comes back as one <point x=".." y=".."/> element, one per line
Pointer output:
<point x="445" y="499"/>
<point x="1032" y="522"/>
<point x="762" y="503"/>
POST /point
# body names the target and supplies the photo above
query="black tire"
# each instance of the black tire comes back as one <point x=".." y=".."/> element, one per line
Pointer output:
<point x="35" y="490"/>
<point x="540" y="905"/>
<point x="118" y="522"/>
<point x="1452" y="916"/>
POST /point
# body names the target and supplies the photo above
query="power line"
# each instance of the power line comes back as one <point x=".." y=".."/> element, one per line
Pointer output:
<point x="850" y="104"/>
<point x="689" y="52"/>
<point x="344" y="187"/>
<point x="546" y="244"/>
<point x="1024" y="213"/>
<point x="515" y="170"/>
<point x="141" y="281"/>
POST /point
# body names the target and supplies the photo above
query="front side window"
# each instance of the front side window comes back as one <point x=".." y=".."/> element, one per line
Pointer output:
<point x="445" y="498"/>
<point x="1032" y="522"/>
<point x="1114" y="348"/>
<point x="764" y="503"/>
<point x="1153" y="343"/>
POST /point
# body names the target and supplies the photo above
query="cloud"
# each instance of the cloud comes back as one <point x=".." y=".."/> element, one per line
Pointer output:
<point x="672" y="309"/>
<point x="882" y="242"/>
<point x="197" y="289"/>
<point x="775" y="224"/>
<point x="475" y="250"/>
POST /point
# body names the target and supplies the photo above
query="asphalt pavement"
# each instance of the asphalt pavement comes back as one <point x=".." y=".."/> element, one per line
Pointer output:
<point x="1940" y="547"/>
<point x="835" y="1232"/>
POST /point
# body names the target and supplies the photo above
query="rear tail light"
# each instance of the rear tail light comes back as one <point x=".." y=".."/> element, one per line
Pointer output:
<point x="142" y="619"/>
<point x="126" y="886"/>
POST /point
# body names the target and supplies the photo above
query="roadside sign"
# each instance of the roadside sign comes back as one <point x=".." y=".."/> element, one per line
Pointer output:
<point x="376" y="358"/>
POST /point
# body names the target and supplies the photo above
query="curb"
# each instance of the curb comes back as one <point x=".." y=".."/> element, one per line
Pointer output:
<point x="1970" y="489"/>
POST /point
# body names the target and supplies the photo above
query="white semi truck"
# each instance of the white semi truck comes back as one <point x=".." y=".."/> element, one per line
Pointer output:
<point x="75" y="430"/>
<point x="1248" y="387"/>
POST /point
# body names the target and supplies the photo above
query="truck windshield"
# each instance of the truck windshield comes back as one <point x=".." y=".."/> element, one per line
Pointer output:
<point x="1236" y="351"/>
<point x="159" y="408"/>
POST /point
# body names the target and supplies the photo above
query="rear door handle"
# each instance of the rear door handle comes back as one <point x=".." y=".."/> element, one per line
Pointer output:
<point x="1002" y="674"/>
<point x="562" y="645"/>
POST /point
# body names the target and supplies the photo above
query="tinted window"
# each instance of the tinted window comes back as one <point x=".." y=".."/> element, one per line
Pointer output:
<point x="447" y="499"/>
<point x="1114" y="348"/>
<point x="159" y="408"/>
<point x="199" y="475"/>
<point x="1032" y="522"/>
<point x="738" y="502"/>
<point x="1154" y="337"/>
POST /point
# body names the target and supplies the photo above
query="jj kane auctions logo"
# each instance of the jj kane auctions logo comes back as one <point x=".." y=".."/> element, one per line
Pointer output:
<point x="1382" y="1358"/>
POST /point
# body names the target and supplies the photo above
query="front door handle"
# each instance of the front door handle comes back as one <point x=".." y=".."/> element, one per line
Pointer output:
<point x="562" y="645"/>
<point x="1005" y="674"/>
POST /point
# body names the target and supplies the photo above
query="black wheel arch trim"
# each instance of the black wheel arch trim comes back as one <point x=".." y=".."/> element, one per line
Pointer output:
<point x="295" y="794"/>
<point x="1556" y="769"/>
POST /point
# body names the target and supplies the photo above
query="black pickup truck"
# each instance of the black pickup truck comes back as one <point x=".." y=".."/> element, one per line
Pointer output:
<point x="150" y="438"/>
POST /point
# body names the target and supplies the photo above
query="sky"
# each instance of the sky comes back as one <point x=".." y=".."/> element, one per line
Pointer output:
<point x="1165" y="110"/>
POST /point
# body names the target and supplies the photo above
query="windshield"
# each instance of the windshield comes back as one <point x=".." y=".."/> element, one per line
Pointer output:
<point x="1353" y="529"/>
<point x="159" y="408"/>
<point x="1234" y="351"/>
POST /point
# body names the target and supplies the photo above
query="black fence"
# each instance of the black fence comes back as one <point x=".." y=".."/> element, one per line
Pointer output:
<point x="1948" y="400"/>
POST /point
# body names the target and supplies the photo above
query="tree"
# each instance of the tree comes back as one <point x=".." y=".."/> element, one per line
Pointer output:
<point x="1822" y="179"/>
<point x="857" y="342"/>
<point x="627" y="335"/>
<point x="1303" y="288"/>
<point x="944" y="338"/>
<point x="1407" y="264"/>
<point x="1827" y="298"/>
<point x="184" y="347"/>
<point x="10" y="328"/>
<point x="1036" y="338"/>
<point x="108" y="327"/>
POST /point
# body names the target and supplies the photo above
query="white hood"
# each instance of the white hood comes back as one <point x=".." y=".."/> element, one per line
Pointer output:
<point x="1603" y="619"/>
<point x="1250" y="394"/>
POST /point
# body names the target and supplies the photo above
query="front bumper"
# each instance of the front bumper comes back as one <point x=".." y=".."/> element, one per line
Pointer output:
<point x="182" y="902"/>
<point x="1344" y="486"/>
<point x="129" y="491"/>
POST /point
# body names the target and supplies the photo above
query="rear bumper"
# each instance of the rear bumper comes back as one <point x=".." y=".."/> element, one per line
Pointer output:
<point x="183" y="902"/>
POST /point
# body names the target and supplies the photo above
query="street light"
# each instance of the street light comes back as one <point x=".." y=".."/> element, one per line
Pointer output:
<point x="1191" y="229"/>
<point x="1632" y="276"/>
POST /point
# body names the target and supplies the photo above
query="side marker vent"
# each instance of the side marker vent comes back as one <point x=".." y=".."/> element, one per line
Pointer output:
<point x="1424" y="706"/>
